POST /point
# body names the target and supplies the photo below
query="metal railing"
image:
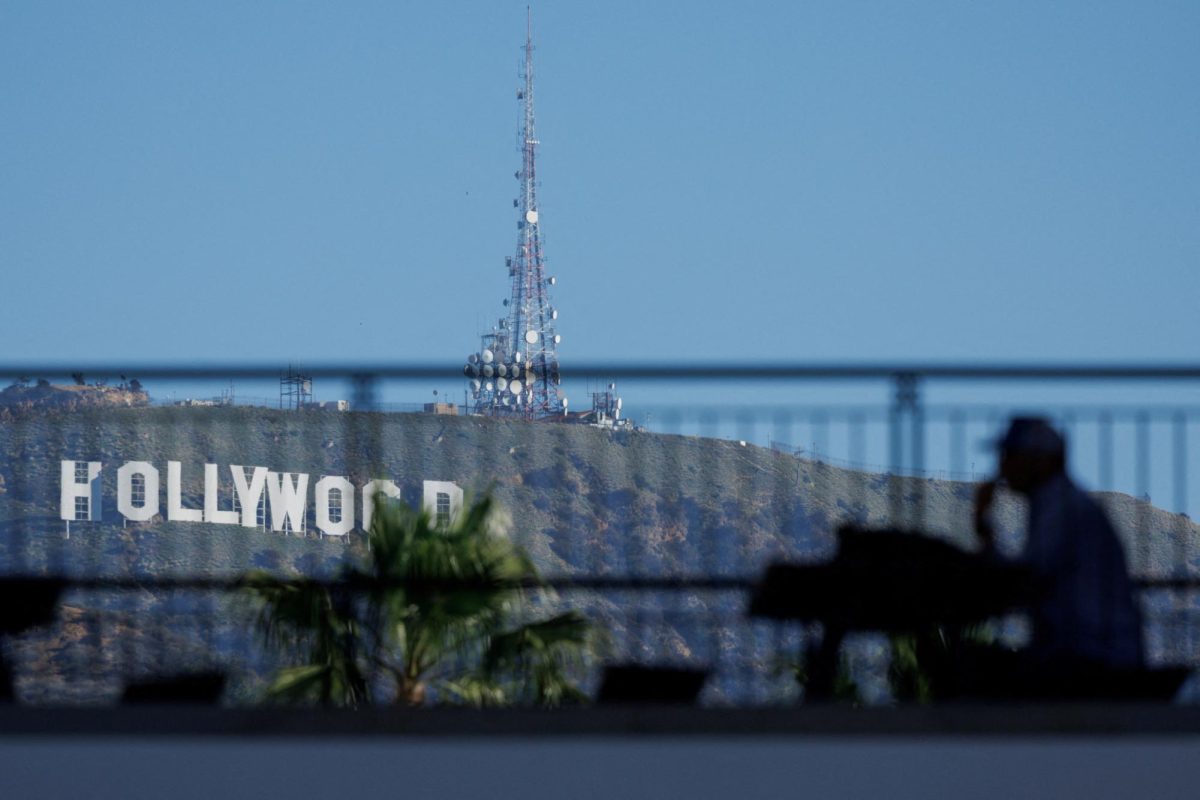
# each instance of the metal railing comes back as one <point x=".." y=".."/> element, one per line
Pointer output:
<point x="657" y="532"/>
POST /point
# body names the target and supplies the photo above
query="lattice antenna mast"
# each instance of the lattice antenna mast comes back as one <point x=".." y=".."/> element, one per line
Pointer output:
<point x="516" y="372"/>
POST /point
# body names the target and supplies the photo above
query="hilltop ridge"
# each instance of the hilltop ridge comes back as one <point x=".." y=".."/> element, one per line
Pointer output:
<point x="46" y="396"/>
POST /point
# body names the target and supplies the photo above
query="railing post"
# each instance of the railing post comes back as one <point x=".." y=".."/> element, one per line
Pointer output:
<point x="366" y="430"/>
<point x="907" y="446"/>
<point x="364" y="392"/>
<point x="906" y="407"/>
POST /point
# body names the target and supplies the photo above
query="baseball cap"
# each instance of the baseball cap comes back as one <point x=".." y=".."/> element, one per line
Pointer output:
<point x="1034" y="435"/>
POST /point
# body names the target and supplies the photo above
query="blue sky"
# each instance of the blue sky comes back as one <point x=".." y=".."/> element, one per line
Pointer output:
<point x="719" y="181"/>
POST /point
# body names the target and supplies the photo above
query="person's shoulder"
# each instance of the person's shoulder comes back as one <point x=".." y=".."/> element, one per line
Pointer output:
<point x="1087" y="508"/>
<point x="1071" y="491"/>
<point x="1081" y="496"/>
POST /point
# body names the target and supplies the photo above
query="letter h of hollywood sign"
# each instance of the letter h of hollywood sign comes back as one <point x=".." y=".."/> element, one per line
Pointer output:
<point x="284" y="494"/>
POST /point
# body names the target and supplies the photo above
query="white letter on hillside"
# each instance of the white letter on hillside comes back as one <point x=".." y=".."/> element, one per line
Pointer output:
<point x="149" y="507"/>
<point x="249" y="496"/>
<point x="287" y="500"/>
<point x="442" y="501"/>
<point x="377" y="486"/>
<point x="175" y="510"/>
<point x="322" y="489"/>
<point x="70" y="490"/>
<point x="212" y="493"/>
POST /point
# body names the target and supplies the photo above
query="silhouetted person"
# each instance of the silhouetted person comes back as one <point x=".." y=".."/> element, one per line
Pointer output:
<point x="1087" y="616"/>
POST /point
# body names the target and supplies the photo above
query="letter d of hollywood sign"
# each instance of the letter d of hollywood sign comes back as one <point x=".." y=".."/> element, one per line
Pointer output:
<point x="257" y="497"/>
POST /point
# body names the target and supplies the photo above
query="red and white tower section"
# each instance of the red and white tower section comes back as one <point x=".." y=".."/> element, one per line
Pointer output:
<point x="515" y="372"/>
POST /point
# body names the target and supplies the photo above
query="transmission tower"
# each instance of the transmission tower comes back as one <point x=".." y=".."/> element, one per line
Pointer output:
<point x="295" y="389"/>
<point x="515" y="372"/>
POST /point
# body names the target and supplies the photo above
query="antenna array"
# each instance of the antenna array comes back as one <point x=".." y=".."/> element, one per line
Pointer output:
<point x="515" y="372"/>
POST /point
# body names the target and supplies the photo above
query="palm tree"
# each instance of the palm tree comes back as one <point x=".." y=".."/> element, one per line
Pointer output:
<point x="436" y="613"/>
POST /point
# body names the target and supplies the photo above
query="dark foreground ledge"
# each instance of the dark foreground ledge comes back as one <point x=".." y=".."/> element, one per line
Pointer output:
<point x="1074" y="720"/>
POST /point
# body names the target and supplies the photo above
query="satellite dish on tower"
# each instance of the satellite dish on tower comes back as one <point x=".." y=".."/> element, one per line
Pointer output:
<point x="501" y="370"/>
<point x="514" y="386"/>
<point x="531" y="216"/>
<point x="531" y="337"/>
<point x="501" y="384"/>
<point x="487" y="356"/>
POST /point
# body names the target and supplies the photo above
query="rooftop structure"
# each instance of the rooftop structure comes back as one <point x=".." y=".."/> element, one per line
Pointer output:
<point x="295" y="389"/>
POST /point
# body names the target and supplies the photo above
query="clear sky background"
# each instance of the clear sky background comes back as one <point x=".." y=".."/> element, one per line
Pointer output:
<point x="787" y="181"/>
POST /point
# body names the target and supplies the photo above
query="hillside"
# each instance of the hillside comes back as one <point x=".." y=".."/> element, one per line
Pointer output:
<point x="582" y="500"/>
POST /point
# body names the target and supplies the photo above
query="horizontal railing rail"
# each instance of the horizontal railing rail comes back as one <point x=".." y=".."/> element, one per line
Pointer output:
<point x="1062" y="371"/>
<point x="239" y="583"/>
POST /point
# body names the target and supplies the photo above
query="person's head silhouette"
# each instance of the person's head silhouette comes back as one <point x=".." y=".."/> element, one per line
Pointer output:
<point x="1031" y="452"/>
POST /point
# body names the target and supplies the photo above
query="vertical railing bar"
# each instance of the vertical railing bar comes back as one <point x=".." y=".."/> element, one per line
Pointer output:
<point x="1142" y="459"/>
<point x="858" y="457"/>
<point x="1180" y="421"/>
<point x="917" y="423"/>
<point x="904" y="407"/>
<point x="706" y="423"/>
<point x="958" y="444"/>
<point x="896" y="450"/>
<point x="1105" y="446"/>
<point x="1182" y="524"/>
<point x="747" y="432"/>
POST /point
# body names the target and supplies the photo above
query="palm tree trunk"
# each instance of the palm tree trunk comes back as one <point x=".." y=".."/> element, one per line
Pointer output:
<point x="410" y="691"/>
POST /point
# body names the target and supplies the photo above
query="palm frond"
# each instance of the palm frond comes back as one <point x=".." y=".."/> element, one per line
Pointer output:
<point x="475" y="691"/>
<point x="540" y="657"/>
<point x="433" y="603"/>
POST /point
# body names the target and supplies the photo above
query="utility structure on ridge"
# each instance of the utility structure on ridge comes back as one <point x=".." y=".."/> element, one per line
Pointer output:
<point x="515" y="372"/>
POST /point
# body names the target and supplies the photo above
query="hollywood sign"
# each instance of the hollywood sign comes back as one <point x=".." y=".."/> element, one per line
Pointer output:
<point x="259" y="497"/>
